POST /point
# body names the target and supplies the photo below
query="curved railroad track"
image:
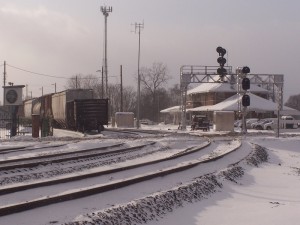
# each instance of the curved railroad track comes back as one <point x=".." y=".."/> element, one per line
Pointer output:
<point x="180" y="161"/>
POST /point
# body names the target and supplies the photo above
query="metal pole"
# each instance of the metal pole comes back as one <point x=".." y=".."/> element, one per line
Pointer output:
<point x="121" y="77"/>
<point x="105" y="10"/>
<point x="105" y="54"/>
<point x="139" y="26"/>
<point x="139" y="82"/>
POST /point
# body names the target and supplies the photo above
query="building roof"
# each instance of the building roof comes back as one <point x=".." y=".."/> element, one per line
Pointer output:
<point x="171" y="109"/>
<point x="257" y="104"/>
<point x="222" y="87"/>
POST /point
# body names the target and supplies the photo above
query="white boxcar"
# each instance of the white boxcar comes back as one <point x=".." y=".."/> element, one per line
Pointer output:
<point x="60" y="99"/>
<point x="28" y="107"/>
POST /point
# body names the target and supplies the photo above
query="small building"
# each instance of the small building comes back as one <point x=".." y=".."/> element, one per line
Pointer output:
<point x="124" y="119"/>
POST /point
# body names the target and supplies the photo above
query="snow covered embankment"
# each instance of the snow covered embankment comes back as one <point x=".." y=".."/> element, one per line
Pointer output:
<point x="157" y="205"/>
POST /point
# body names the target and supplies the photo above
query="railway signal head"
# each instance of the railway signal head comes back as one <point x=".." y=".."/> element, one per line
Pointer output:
<point x="221" y="51"/>
<point x="245" y="70"/>
<point x="246" y="100"/>
<point x="245" y="84"/>
<point x="221" y="71"/>
<point x="221" y="60"/>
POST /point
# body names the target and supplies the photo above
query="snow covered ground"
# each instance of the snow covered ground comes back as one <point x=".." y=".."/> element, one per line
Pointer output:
<point x="267" y="194"/>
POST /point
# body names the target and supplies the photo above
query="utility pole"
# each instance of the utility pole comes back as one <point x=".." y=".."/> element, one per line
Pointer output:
<point x="121" y="108"/>
<point x="26" y="92"/>
<point x="4" y="80"/>
<point x="138" y="28"/>
<point x="4" y="74"/>
<point x="105" y="10"/>
<point x="54" y="87"/>
<point x="102" y="83"/>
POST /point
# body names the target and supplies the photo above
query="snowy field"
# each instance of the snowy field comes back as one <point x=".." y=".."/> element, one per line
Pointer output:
<point x="267" y="194"/>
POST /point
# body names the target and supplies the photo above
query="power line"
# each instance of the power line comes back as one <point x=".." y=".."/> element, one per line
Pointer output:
<point x="46" y="75"/>
<point x="40" y="74"/>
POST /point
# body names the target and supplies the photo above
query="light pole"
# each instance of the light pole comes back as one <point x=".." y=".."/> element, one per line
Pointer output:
<point x="105" y="10"/>
<point x="101" y="81"/>
<point x="138" y="28"/>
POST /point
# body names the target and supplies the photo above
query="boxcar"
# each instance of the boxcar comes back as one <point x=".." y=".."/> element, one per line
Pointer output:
<point x="59" y="104"/>
<point x="87" y="114"/>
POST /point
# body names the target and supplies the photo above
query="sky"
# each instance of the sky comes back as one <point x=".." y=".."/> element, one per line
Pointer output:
<point x="62" y="38"/>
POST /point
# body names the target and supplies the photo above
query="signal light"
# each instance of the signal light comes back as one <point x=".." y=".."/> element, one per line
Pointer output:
<point x="221" y="71"/>
<point x="245" y="84"/>
<point x="246" y="69"/>
<point x="221" y="51"/>
<point x="221" y="60"/>
<point x="246" y="100"/>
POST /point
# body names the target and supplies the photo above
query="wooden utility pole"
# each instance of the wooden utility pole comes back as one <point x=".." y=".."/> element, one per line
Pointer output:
<point x="102" y="90"/>
<point x="121" y="108"/>
<point x="4" y="74"/>
<point x="4" y="81"/>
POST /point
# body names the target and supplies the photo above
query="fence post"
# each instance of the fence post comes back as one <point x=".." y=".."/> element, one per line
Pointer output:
<point x="35" y="126"/>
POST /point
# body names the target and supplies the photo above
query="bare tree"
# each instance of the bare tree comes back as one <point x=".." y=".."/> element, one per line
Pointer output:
<point x="74" y="82"/>
<point x="114" y="95"/>
<point x="86" y="82"/>
<point x="293" y="102"/>
<point x="151" y="80"/>
<point x="174" y="95"/>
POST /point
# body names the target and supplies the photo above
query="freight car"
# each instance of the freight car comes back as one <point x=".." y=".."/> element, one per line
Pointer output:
<point x="87" y="114"/>
<point x="73" y="109"/>
<point x="76" y="109"/>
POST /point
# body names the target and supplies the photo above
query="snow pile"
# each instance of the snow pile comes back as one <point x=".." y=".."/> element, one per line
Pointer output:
<point x="153" y="207"/>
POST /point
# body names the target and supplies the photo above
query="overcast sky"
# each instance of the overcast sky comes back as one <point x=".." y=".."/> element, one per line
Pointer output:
<point x="65" y="37"/>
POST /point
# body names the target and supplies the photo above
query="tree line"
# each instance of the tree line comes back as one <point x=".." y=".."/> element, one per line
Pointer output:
<point x="154" y="95"/>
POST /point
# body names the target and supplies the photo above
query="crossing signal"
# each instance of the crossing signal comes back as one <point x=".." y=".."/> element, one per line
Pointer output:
<point x="222" y="61"/>
<point x="246" y="100"/>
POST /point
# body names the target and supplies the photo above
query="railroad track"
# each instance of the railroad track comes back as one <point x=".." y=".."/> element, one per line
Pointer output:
<point x="27" y="148"/>
<point x="72" y="177"/>
<point x="180" y="162"/>
<point x="74" y="162"/>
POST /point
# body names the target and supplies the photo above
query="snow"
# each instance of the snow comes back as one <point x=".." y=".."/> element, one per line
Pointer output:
<point x="267" y="194"/>
<point x="257" y="104"/>
<point x="221" y="87"/>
